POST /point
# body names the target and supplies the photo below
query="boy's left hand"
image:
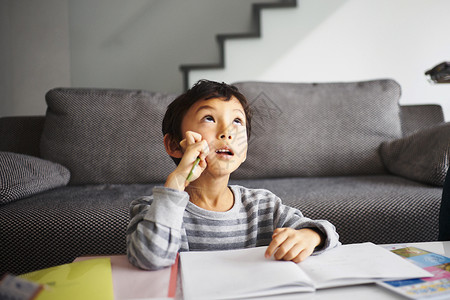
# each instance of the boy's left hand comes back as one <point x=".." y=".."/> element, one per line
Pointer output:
<point x="292" y="244"/>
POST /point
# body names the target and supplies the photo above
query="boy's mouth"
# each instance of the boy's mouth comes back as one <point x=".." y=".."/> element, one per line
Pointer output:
<point x="225" y="151"/>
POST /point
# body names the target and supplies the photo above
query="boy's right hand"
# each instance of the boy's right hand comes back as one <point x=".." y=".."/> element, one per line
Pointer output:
<point x="192" y="146"/>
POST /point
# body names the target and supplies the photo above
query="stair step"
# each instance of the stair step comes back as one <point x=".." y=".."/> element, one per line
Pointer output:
<point x="221" y="38"/>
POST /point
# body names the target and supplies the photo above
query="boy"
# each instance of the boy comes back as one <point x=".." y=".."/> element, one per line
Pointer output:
<point x="197" y="209"/>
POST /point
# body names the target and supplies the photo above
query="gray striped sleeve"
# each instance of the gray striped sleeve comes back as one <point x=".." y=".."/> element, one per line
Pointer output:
<point x="154" y="231"/>
<point x="291" y="217"/>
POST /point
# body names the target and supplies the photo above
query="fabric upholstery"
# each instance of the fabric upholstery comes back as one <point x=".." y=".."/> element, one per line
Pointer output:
<point x="106" y="136"/>
<point x="419" y="117"/>
<point x="322" y="129"/>
<point x="376" y="208"/>
<point x="422" y="156"/>
<point x="23" y="175"/>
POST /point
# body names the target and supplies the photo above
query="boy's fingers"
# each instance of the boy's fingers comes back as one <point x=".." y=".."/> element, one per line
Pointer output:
<point x="196" y="140"/>
<point x="204" y="146"/>
<point x="277" y="239"/>
<point x="270" y="249"/>
<point x="302" y="255"/>
<point x="183" y="144"/>
<point x="203" y="164"/>
<point x="204" y="150"/>
<point x="277" y="231"/>
<point x="293" y="252"/>
<point x="193" y="137"/>
<point x="201" y="149"/>
<point x="292" y="245"/>
<point x="284" y="250"/>
<point x="195" y="155"/>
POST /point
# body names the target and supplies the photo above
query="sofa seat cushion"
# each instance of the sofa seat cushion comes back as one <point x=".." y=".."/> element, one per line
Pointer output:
<point x="319" y="129"/>
<point x="379" y="208"/>
<point x="24" y="175"/>
<point x="56" y="226"/>
<point x="107" y="135"/>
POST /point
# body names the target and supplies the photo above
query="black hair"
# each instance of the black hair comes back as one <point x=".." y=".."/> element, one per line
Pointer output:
<point x="202" y="90"/>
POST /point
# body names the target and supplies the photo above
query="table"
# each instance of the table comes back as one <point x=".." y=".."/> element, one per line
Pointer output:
<point x="131" y="283"/>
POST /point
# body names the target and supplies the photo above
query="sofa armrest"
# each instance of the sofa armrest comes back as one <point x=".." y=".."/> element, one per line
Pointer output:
<point x="422" y="156"/>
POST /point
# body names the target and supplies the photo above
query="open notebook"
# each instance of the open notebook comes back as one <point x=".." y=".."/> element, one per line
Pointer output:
<point x="246" y="273"/>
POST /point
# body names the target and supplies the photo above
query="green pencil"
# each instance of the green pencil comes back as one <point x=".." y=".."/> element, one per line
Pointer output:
<point x="196" y="162"/>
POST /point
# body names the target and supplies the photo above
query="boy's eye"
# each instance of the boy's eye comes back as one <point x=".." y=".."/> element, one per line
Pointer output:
<point x="209" y="119"/>
<point x="238" y="121"/>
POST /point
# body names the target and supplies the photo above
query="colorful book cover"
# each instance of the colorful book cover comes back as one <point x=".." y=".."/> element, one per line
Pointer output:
<point x="89" y="279"/>
<point x="436" y="287"/>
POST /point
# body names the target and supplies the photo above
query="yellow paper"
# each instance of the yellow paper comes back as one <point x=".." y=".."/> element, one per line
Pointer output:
<point x="89" y="279"/>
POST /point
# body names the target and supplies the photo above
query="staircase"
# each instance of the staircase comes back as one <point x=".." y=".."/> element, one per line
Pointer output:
<point x="255" y="32"/>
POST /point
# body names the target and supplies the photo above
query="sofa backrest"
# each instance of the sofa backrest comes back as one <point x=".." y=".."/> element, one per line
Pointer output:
<point x="107" y="136"/>
<point x="114" y="136"/>
<point x="319" y="129"/>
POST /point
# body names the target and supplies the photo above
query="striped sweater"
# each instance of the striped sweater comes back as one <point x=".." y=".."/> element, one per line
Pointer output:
<point x="167" y="222"/>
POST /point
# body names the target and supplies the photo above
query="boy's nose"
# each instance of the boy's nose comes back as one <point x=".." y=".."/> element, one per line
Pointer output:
<point x="226" y="132"/>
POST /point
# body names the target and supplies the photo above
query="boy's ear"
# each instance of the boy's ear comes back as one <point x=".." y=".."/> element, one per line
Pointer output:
<point x="172" y="146"/>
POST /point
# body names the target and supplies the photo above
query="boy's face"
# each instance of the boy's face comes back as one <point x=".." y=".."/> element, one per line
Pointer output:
<point x="222" y="123"/>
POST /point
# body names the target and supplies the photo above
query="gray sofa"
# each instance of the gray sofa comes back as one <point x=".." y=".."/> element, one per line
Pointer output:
<point x="346" y="152"/>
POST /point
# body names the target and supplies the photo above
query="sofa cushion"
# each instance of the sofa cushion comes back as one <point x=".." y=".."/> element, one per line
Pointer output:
<point x="23" y="175"/>
<point x="107" y="136"/>
<point x="319" y="129"/>
<point x="423" y="156"/>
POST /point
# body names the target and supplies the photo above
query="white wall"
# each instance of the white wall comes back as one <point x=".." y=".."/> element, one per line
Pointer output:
<point x="140" y="44"/>
<point x="345" y="41"/>
<point x="34" y="53"/>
